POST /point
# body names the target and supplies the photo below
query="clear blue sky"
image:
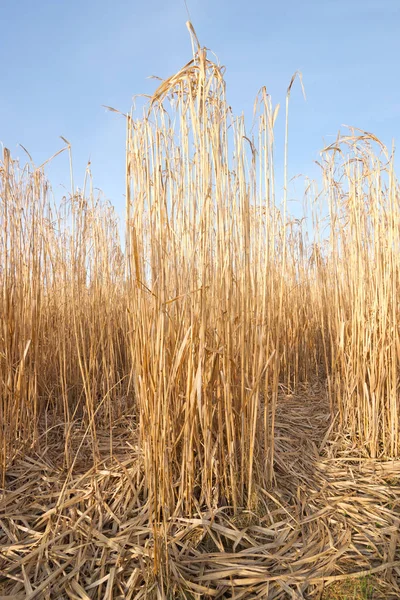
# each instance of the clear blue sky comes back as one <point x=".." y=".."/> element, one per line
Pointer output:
<point x="63" y="59"/>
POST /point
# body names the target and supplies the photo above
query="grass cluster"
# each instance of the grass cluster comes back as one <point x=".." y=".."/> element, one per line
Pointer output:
<point x="217" y="299"/>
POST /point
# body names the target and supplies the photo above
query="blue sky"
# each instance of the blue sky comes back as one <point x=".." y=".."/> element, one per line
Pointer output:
<point x="62" y="60"/>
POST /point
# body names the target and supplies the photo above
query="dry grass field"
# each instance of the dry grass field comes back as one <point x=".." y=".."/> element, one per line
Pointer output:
<point x="210" y="407"/>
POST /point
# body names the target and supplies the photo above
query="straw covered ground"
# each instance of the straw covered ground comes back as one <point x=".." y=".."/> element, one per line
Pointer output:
<point x="334" y="515"/>
<point x="209" y="407"/>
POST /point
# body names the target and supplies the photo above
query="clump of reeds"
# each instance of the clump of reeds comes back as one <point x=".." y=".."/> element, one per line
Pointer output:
<point x="219" y="300"/>
<point x="62" y="356"/>
<point x="218" y="293"/>
<point x="359" y="283"/>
